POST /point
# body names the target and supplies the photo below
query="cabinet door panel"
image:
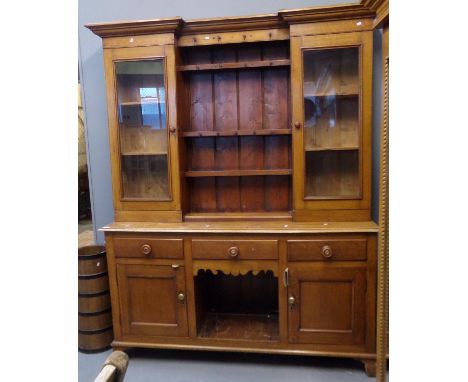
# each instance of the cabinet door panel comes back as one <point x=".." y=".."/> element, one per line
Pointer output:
<point x="330" y="304"/>
<point x="142" y="125"/>
<point x="149" y="300"/>
<point x="331" y="88"/>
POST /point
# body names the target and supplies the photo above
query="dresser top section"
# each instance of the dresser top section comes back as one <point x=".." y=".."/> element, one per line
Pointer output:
<point x="364" y="9"/>
<point x="283" y="227"/>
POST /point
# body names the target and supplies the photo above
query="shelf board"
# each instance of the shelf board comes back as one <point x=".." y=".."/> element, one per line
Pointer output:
<point x="139" y="103"/>
<point x="334" y="197"/>
<point x="205" y="173"/>
<point x="147" y="127"/>
<point x="136" y="153"/>
<point x="234" y="65"/>
<point x="349" y="88"/>
<point x="276" y="227"/>
<point x="191" y="134"/>
<point x="332" y="148"/>
<point x="237" y="216"/>
<point x="328" y="94"/>
<point x="243" y="327"/>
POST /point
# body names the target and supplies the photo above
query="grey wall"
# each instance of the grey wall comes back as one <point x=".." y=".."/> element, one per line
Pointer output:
<point x="92" y="71"/>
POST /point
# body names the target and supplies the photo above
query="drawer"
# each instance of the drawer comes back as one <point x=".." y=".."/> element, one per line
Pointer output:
<point x="331" y="249"/>
<point x="148" y="248"/>
<point x="234" y="249"/>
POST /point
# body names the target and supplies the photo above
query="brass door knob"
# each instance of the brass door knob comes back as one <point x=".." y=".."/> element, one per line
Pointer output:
<point x="291" y="301"/>
<point x="297" y="125"/>
<point x="181" y="297"/>
<point x="327" y="251"/>
<point x="146" y="249"/>
<point x="233" y="251"/>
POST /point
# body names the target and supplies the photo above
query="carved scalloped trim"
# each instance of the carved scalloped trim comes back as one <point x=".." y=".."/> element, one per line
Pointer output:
<point x="230" y="270"/>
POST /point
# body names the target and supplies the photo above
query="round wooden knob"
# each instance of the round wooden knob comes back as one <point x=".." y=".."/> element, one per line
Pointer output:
<point x="146" y="249"/>
<point x="173" y="130"/>
<point x="327" y="251"/>
<point x="233" y="251"/>
<point x="297" y="125"/>
<point x="181" y="297"/>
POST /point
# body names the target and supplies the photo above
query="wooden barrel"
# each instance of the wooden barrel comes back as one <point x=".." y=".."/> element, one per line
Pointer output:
<point x="94" y="313"/>
<point x="95" y="341"/>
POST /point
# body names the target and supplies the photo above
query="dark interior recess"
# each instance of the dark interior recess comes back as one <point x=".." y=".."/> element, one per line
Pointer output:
<point x="241" y="307"/>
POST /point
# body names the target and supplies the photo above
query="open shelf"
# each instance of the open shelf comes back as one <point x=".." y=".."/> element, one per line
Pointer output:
<point x="231" y="133"/>
<point x="235" y="65"/>
<point x="237" y="128"/>
<point x="236" y="195"/>
<point x="247" y="327"/>
<point x="204" y="173"/>
<point x="241" y="307"/>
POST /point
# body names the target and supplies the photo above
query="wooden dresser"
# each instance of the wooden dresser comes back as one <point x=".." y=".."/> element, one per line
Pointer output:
<point x="241" y="167"/>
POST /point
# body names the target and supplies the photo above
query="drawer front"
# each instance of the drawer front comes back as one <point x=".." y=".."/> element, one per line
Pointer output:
<point x="325" y="250"/>
<point x="234" y="249"/>
<point x="149" y="248"/>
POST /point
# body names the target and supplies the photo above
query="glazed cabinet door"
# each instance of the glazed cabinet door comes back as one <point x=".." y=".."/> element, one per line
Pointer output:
<point x="327" y="304"/>
<point x="331" y="88"/>
<point x="152" y="300"/>
<point x="142" y="125"/>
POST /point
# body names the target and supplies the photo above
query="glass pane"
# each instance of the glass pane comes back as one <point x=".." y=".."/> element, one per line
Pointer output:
<point x="143" y="131"/>
<point x="331" y="123"/>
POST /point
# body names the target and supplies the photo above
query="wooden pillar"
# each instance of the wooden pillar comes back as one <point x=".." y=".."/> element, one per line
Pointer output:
<point x="383" y="275"/>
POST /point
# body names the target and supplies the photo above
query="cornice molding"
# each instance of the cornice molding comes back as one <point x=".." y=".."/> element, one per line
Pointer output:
<point x="228" y="24"/>
<point x="336" y="12"/>
<point x="382" y="9"/>
<point x="373" y="4"/>
<point x="139" y="27"/>
<point x="377" y="9"/>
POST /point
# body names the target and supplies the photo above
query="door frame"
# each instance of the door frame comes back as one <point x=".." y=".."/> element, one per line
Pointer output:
<point x="302" y="206"/>
<point x="167" y="53"/>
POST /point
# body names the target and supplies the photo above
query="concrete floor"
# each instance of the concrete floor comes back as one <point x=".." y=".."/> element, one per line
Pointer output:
<point x="192" y="366"/>
<point x="85" y="233"/>
<point x="85" y="225"/>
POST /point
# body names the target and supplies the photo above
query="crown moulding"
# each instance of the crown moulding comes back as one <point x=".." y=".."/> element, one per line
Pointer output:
<point x="139" y="27"/>
<point x="228" y="24"/>
<point x="336" y="12"/>
<point x="176" y="25"/>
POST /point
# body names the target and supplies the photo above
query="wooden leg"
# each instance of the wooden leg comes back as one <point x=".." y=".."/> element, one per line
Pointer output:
<point x="121" y="348"/>
<point x="370" y="367"/>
